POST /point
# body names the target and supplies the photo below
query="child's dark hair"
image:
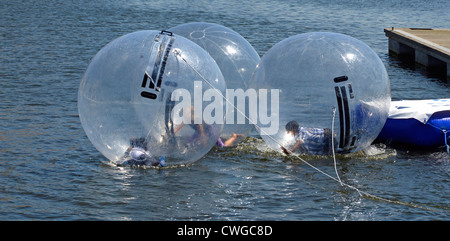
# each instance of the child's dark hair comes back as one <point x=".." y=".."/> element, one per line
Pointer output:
<point x="139" y="142"/>
<point x="292" y="126"/>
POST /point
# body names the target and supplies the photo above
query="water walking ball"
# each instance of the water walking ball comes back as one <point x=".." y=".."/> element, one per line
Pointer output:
<point x="237" y="60"/>
<point x="333" y="89"/>
<point x="146" y="89"/>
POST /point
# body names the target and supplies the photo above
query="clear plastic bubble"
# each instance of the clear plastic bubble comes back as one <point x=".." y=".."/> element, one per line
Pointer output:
<point x="237" y="60"/>
<point x="137" y="90"/>
<point x="323" y="78"/>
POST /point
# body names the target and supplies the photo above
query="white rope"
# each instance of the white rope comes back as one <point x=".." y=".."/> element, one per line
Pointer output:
<point x="332" y="145"/>
<point x="445" y="138"/>
<point x="361" y="193"/>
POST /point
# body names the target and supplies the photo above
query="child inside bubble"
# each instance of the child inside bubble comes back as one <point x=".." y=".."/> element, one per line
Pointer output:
<point x="312" y="141"/>
<point x="204" y="131"/>
<point x="137" y="154"/>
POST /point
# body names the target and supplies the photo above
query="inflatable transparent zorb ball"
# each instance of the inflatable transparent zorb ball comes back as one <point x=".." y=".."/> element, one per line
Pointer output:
<point x="149" y="86"/>
<point x="323" y="78"/>
<point x="237" y="60"/>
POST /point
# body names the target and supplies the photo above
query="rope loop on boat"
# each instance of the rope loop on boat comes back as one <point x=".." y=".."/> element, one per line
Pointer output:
<point x="447" y="146"/>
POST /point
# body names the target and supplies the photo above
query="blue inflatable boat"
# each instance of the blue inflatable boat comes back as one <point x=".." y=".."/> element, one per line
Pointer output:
<point x="421" y="124"/>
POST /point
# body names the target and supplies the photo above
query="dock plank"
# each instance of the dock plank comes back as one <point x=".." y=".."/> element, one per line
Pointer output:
<point x="438" y="36"/>
<point x="430" y="47"/>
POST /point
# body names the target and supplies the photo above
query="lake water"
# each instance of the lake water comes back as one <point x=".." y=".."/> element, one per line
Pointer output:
<point x="49" y="170"/>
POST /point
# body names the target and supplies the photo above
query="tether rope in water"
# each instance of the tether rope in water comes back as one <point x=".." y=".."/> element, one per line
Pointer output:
<point x="445" y="136"/>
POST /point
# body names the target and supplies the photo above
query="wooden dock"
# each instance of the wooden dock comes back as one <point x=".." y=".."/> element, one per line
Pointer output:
<point x="426" y="46"/>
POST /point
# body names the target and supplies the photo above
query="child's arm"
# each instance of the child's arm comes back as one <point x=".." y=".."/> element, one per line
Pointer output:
<point x="178" y="128"/>
<point x="297" y="145"/>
